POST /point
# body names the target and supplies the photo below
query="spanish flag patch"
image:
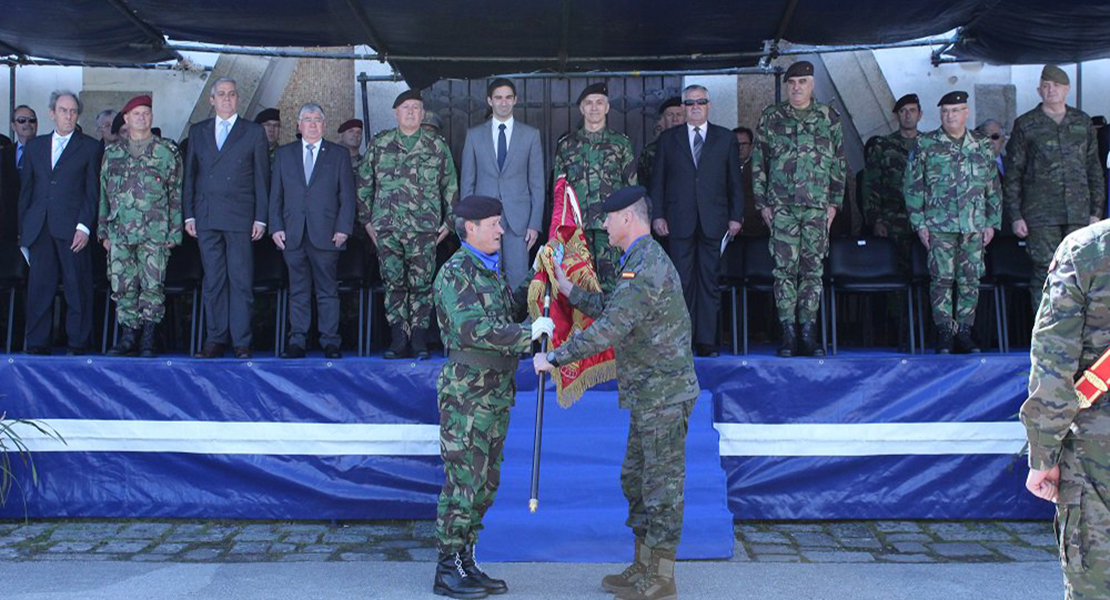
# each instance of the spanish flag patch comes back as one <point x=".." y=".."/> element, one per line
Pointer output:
<point x="628" y="275"/>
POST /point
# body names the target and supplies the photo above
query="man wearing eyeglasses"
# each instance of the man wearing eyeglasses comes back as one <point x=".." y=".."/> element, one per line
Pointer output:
<point x="1054" y="181"/>
<point x="25" y="125"/>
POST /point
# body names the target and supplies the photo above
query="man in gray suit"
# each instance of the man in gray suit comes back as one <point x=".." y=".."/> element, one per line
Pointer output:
<point x="227" y="169"/>
<point x="504" y="159"/>
<point x="312" y="213"/>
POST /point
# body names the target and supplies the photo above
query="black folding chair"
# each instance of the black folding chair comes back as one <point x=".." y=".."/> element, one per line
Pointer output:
<point x="731" y="279"/>
<point x="184" y="274"/>
<point x="351" y="276"/>
<point x="13" y="277"/>
<point x="1011" y="269"/>
<point x="866" y="266"/>
<point x="271" y="277"/>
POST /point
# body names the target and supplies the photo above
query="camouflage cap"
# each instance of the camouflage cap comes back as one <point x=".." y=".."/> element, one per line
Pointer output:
<point x="595" y="88"/>
<point x="405" y="96"/>
<point x="1055" y="75"/>
<point x="950" y="98"/>
<point x="904" y="100"/>
<point x="623" y="198"/>
<point x="350" y="124"/>
<point x="476" y="208"/>
<point x="802" y="68"/>
<point x="267" y="115"/>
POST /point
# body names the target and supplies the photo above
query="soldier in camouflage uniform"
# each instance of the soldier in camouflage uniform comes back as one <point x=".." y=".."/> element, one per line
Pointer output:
<point x="406" y="184"/>
<point x="140" y="221"/>
<point x="596" y="161"/>
<point x="1054" y="182"/>
<point x="477" y="319"/>
<point x="646" y="322"/>
<point x="884" y="205"/>
<point x="799" y="172"/>
<point x="1069" y="447"/>
<point x="954" y="206"/>
<point x="671" y="113"/>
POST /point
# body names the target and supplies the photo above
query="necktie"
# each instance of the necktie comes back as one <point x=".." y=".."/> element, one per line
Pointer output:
<point x="221" y="136"/>
<point x="309" y="162"/>
<point x="59" y="147"/>
<point x="19" y="156"/>
<point x="698" y="143"/>
<point x="502" y="147"/>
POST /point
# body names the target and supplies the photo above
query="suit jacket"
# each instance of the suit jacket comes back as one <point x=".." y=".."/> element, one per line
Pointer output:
<point x="519" y="186"/>
<point x="9" y="190"/>
<point x="712" y="192"/>
<point x="326" y="204"/>
<point x="59" y="198"/>
<point x="226" y="189"/>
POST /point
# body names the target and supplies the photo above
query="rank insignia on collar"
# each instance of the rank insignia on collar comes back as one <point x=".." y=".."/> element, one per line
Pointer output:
<point x="628" y="275"/>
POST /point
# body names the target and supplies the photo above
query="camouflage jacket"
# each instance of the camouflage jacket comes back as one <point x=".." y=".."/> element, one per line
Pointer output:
<point x="646" y="164"/>
<point x="403" y="190"/>
<point x="596" y="164"/>
<point x="952" y="186"/>
<point x="1053" y="175"/>
<point x="1072" y="330"/>
<point x="799" y="157"/>
<point x="476" y="309"/>
<point x="648" y="326"/>
<point x="140" y="199"/>
<point x="883" y="177"/>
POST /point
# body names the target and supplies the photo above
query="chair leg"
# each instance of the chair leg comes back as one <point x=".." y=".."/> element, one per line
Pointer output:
<point x="1002" y="320"/>
<point x="193" y="310"/>
<point x="11" y="317"/>
<point x="361" y="317"/>
<point x="277" y="324"/>
<point x="832" y="317"/>
<point x="821" y="308"/>
<point x="732" y="306"/>
<point x="744" y="316"/>
<point x="920" y="319"/>
<point x="909" y="315"/>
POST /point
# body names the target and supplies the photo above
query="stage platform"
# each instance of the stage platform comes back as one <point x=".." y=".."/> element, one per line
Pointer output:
<point x="856" y="436"/>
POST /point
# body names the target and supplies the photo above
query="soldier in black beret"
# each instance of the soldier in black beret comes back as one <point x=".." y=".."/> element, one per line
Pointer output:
<point x="594" y="88"/>
<point x="802" y="68"/>
<point x="270" y="120"/>
<point x="904" y="100"/>
<point x="407" y="95"/>
<point x="671" y="114"/>
<point x="953" y="98"/>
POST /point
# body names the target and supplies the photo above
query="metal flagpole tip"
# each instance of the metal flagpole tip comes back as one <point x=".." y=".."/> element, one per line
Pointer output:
<point x="533" y="504"/>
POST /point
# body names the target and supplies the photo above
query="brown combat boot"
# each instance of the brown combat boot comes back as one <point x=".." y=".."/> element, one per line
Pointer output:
<point x="626" y="580"/>
<point x="658" y="583"/>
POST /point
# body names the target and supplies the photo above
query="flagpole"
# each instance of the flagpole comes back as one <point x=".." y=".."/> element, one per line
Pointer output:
<point x="534" y="498"/>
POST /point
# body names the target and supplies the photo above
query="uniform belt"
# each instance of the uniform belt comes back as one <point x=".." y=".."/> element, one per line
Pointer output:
<point x="1092" y="384"/>
<point x="483" y="360"/>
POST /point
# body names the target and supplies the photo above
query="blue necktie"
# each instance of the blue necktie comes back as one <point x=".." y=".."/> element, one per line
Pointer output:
<point x="221" y="137"/>
<point x="502" y="147"/>
<point x="309" y="162"/>
<point x="19" y="156"/>
<point x="59" y="147"/>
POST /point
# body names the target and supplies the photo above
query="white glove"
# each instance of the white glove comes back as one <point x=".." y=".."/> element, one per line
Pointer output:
<point x="541" y="327"/>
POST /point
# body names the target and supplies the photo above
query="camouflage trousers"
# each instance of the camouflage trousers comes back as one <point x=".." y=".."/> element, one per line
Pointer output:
<point x="1041" y="245"/>
<point x="607" y="259"/>
<point x="799" y="242"/>
<point x="1083" y="519"/>
<point x="653" y="475"/>
<point x="955" y="259"/>
<point x="473" y="420"/>
<point x="408" y="262"/>
<point x="137" y="273"/>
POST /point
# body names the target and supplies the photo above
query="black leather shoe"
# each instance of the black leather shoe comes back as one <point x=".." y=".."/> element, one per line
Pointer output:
<point x="38" y="351"/>
<point x="453" y="581"/>
<point x="293" y="351"/>
<point x="212" y="350"/>
<point x="332" y="351"/>
<point x="470" y="565"/>
<point x="242" y="352"/>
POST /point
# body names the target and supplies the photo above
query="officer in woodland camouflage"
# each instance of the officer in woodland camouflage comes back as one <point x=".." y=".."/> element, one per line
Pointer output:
<point x="671" y="113"/>
<point x="597" y="161"/>
<point x="477" y="319"/>
<point x="139" y="222"/>
<point x="954" y="206"/>
<point x="884" y="205"/>
<point x="1054" y="181"/>
<point x="799" y="172"/>
<point x="406" y="184"/>
<point x="646" y="322"/>
<point x="1069" y="447"/>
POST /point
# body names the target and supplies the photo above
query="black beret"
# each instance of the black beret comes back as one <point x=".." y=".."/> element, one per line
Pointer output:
<point x="117" y="123"/>
<point x="953" y="98"/>
<point x="269" y="114"/>
<point x="670" y="103"/>
<point x="594" y="88"/>
<point x="407" y="95"/>
<point x="623" y="198"/>
<point x="904" y="100"/>
<point x="802" y="68"/>
<point x="476" y="208"/>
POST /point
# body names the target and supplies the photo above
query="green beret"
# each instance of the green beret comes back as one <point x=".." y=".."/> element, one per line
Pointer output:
<point x="953" y="98"/>
<point x="594" y="88"/>
<point x="623" y="198"/>
<point x="476" y="208"/>
<point x="802" y="68"/>
<point x="1055" y="74"/>
<point x="407" y="95"/>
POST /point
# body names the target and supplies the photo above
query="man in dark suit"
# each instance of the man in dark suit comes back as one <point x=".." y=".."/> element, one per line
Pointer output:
<point x="698" y="199"/>
<point x="312" y="213"/>
<point x="227" y="170"/>
<point x="25" y="125"/>
<point x="59" y="190"/>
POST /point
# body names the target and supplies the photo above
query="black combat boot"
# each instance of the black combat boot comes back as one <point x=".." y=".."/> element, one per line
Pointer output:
<point x="452" y="580"/>
<point x="789" y="340"/>
<point x="809" y="345"/>
<point x="128" y="344"/>
<point x="420" y="342"/>
<point x="470" y="565"/>
<point x="965" y="343"/>
<point x="944" y="338"/>
<point x="399" y="347"/>
<point x="147" y="349"/>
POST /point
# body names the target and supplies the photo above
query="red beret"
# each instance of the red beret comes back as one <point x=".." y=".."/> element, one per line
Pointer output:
<point x="137" y="101"/>
<point x="349" y="124"/>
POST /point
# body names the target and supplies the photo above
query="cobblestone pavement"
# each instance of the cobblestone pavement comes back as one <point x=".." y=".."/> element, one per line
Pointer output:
<point x="404" y="541"/>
